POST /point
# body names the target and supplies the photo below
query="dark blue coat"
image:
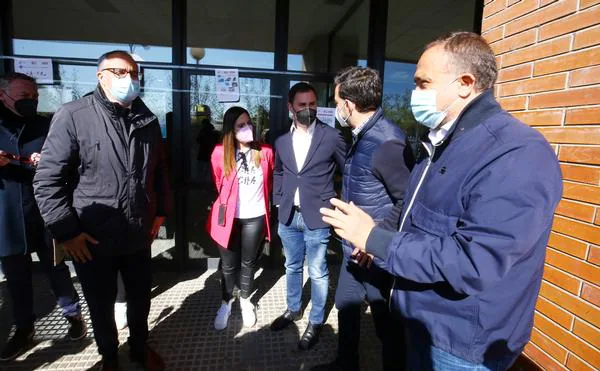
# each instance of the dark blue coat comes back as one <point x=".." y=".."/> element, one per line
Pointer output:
<point x="470" y="254"/>
<point x="315" y="180"/>
<point x="376" y="173"/>
<point x="20" y="219"/>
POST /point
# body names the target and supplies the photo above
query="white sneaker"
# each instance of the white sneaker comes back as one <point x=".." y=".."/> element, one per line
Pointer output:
<point x="223" y="315"/>
<point x="248" y="312"/>
<point x="121" y="315"/>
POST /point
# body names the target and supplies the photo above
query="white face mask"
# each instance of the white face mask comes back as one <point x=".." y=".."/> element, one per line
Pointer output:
<point x="423" y="104"/>
<point x="343" y="121"/>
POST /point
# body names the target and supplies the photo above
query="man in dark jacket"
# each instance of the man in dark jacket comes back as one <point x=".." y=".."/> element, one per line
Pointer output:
<point x="469" y="254"/>
<point x="102" y="188"/>
<point x="375" y="178"/>
<point x="305" y="162"/>
<point x="22" y="134"/>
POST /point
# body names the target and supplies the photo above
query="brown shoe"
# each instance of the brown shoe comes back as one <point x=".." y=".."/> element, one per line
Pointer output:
<point x="149" y="359"/>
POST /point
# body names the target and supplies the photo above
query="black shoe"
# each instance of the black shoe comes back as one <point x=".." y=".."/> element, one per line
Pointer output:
<point x="109" y="364"/>
<point x="310" y="336"/>
<point x="285" y="320"/>
<point x="18" y="343"/>
<point x="148" y="358"/>
<point x="77" y="327"/>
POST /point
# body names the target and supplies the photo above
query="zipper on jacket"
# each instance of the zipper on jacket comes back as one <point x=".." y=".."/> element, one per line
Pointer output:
<point x="431" y="152"/>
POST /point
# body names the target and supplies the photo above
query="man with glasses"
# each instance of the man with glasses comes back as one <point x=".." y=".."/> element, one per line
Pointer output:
<point x="102" y="189"/>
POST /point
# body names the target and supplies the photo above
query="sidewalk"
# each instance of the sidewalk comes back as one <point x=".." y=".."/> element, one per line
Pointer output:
<point x="181" y="329"/>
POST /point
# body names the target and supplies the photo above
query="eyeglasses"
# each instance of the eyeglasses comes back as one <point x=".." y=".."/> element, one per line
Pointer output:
<point x="122" y="72"/>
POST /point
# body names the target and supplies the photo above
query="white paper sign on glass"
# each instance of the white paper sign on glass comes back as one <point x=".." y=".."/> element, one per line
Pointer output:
<point x="327" y="115"/>
<point x="38" y="68"/>
<point x="228" y="85"/>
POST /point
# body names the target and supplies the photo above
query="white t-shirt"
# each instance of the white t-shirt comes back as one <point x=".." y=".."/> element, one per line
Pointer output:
<point x="251" y="199"/>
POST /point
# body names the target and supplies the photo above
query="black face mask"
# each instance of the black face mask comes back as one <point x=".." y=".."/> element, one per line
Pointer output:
<point x="306" y="116"/>
<point x="26" y="107"/>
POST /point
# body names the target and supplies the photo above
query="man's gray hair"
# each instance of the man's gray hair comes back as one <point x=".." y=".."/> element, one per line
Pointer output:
<point x="6" y="80"/>
<point x="468" y="52"/>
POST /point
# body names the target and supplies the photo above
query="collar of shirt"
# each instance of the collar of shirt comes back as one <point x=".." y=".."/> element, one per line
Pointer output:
<point x="438" y="135"/>
<point x="359" y="128"/>
<point x="311" y="128"/>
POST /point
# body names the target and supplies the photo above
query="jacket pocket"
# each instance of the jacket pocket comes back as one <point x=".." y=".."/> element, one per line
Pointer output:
<point x="328" y="195"/>
<point x="431" y="221"/>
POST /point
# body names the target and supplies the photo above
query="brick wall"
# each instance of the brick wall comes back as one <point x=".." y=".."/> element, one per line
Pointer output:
<point x="548" y="54"/>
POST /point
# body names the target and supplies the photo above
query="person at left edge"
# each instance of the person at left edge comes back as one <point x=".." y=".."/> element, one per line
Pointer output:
<point x="102" y="188"/>
<point x="22" y="133"/>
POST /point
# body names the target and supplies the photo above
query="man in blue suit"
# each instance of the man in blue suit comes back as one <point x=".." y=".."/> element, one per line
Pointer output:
<point x="305" y="161"/>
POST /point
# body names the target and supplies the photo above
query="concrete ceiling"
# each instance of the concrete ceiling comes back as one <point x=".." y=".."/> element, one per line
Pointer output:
<point x="239" y="24"/>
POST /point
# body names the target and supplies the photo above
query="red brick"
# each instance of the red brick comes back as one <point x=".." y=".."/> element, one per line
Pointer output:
<point x="585" y="76"/>
<point x="597" y="221"/>
<point x="509" y="14"/>
<point x="512" y="2"/>
<point x="571" y="97"/>
<point x="577" y="267"/>
<point x="587" y="3"/>
<point x="577" y="229"/>
<point x="588" y="333"/>
<point x="571" y="23"/>
<point x="541" y="16"/>
<point x="494" y="35"/>
<point x="574" y="363"/>
<point x="568" y="62"/>
<point x="583" y="174"/>
<point x="538" y="51"/>
<point x="493" y="7"/>
<point x="580" y="155"/>
<point x="513" y="103"/>
<point x="540" y="118"/>
<point x="514" y="42"/>
<point x="543" y="3"/>
<point x="573" y="135"/>
<point x="568" y="245"/>
<point x="583" y="116"/>
<point x="591" y="293"/>
<point x="541" y="358"/>
<point x="562" y="279"/>
<point x="534" y="85"/>
<point x="581" y="192"/>
<point x="515" y="73"/>
<point x="594" y="256"/>
<point x="576" y="210"/>
<point x="548" y="345"/>
<point x="586" y="38"/>
<point x="553" y="311"/>
<point x="568" y="340"/>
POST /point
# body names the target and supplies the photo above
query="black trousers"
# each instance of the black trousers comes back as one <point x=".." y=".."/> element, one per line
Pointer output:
<point x="98" y="279"/>
<point x="18" y="270"/>
<point x="354" y="285"/>
<point x="238" y="262"/>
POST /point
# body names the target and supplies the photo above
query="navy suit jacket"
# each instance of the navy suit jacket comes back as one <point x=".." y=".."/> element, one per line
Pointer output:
<point x="315" y="180"/>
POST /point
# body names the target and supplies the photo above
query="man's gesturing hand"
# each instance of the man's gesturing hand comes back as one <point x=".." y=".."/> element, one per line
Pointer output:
<point x="349" y="222"/>
<point x="77" y="248"/>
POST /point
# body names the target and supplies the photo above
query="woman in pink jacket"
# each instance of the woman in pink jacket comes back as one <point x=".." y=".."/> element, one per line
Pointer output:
<point x="239" y="219"/>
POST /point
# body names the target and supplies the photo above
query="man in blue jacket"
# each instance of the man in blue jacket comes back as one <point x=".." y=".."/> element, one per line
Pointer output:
<point x="305" y="161"/>
<point x="469" y="254"/>
<point x="375" y="177"/>
<point x="22" y="134"/>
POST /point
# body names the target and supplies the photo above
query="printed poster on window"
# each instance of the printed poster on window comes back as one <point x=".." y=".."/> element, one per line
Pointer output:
<point x="38" y="68"/>
<point x="327" y="115"/>
<point x="228" y="85"/>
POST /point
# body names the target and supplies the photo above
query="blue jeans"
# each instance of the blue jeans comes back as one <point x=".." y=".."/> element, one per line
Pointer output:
<point x="432" y="358"/>
<point x="299" y="240"/>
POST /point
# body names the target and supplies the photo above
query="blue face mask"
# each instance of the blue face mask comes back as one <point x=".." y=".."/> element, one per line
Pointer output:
<point x="125" y="90"/>
<point x="423" y="104"/>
